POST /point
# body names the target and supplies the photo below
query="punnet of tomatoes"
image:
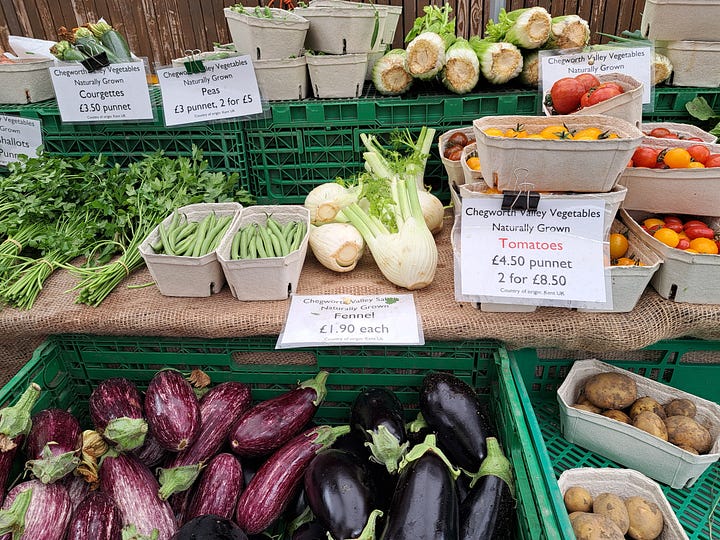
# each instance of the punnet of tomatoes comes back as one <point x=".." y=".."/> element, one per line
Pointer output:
<point x="454" y="144"/>
<point x="619" y="247"/>
<point x="696" y="156"/>
<point x="667" y="133"/>
<point x="693" y="235"/>
<point x="571" y="94"/>
<point x="554" y="132"/>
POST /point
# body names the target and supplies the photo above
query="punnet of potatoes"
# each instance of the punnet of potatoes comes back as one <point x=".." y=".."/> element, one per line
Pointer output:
<point x="608" y="516"/>
<point x="615" y="395"/>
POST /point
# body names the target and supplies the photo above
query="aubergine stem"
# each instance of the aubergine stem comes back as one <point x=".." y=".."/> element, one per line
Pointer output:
<point x="428" y="445"/>
<point x="327" y="435"/>
<point x="126" y="433"/>
<point x="177" y="479"/>
<point x="386" y="449"/>
<point x="50" y="468"/>
<point x="12" y="520"/>
<point x="496" y="464"/>
<point x="130" y="533"/>
<point x="368" y="532"/>
<point x="318" y="384"/>
<point x="16" y="420"/>
<point x="306" y="517"/>
<point x="417" y="425"/>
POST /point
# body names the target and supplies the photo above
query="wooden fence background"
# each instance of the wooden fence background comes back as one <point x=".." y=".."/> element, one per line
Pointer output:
<point x="163" y="29"/>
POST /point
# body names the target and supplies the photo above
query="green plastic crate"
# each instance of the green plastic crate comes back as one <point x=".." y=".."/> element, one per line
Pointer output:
<point x="67" y="367"/>
<point x="689" y="365"/>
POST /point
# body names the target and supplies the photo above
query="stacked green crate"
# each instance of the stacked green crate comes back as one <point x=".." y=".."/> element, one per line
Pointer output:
<point x="689" y="365"/>
<point x="68" y="367"/>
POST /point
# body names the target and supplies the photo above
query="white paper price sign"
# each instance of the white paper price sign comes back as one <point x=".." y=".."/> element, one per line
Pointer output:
<point x="602" y="60"/>
<point x="118" y="92"/>
<point x="227" y="89"/>
<point x="551" y="256"/>
<point x="18" y="136"/>
<point x="360" y="320"/>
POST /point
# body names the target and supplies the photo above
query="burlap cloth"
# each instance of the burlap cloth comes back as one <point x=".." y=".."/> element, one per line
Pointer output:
<point x="145" y="312"/>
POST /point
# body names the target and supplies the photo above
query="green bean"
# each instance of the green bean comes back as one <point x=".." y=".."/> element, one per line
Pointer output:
<point x="217" y="231"/>
<point x="299" y="235"/>
<point x="252" y="246"/>
<point x="245" y="236"/>
<point x="184" y="248"/>
<point x="235" y="246"/>
<point x="260" y="245"/>
<point x="287" y="230"/>
<point x="283" y="245"/>
<point x="169" y="249"/>
<point x="200" y="237"/>
<point x="184" y="231"/>
<point x="267" y="243"/>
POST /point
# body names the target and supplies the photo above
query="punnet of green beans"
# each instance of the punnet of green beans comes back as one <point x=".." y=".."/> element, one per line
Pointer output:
<point x="271" y="239"/>
<point x="185" y="238"/>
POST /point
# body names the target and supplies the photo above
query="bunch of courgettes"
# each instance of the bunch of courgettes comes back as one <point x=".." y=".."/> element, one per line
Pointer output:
<point x="91" y="40"/>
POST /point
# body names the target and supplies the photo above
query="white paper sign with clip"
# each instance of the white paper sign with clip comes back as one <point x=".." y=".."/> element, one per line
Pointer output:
<point x="18" y="136"/>
<point x="349" y="319"/>
<point x="552" y="255"/>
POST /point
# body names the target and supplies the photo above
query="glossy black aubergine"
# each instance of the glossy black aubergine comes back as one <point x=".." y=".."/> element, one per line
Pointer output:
<point x="220" y="408"/>
<point x="15" y="423"/>
<point x="95" y="518"/>
<point x="378" y="417"/>
<point x="210" y="527"/>
<point x="489" y="509"/>
<point x="340" y="493"/>
<point x="133" y="488"/>
<point x="218" y="488"/>
<point x="272" y="422"/>
<point x="53" y="445"/>
<point x="312" y="530"/>
<point x="117" y="412"/>
<point x="172" y="410"/>
<point x="43" y="509"/>
<point x="278" y="479"/>
<point x="425" y="503"/>
<point x="453" y="411"/>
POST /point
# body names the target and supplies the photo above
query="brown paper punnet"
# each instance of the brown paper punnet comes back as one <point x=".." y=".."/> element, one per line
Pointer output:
<point x="624" y="483"/>
<point x="555" y="165"/>
<point x="683" y="130"/>
<point x="683" y="276"/>
<point x="453" y="168"/>
<point x="470" y="176"/>
<point x="628" y="445"/>
<point x="272" y="278"/>
<point x="187" y="276"/>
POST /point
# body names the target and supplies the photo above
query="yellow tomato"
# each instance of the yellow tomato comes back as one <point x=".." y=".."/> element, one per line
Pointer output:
<point x="587" y="134"/>
<point x="474" y="163"/>
<point x="677" y="158"/>
<point x="696" y="165"/>
<point x="618" y="245"/>
<point x="494" y="132"/>
<point x="555" y="132"/>
<point x="668" y="237"/>
<point x="625" y="261"/>
<point x="704" y="245"/>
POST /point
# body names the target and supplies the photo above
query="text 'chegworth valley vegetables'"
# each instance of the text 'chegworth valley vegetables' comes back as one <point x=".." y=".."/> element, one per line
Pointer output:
<point x="385" y="208"/>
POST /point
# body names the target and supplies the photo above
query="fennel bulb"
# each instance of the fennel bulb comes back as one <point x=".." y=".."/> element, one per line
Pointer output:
<point x="389" y="74"/>
<point x="326" y="200"/>
<point x="337" y="246"/>
<point x="499" y="62"/>
<point x="528" y="28"/>
<point x="432" y="209"/>
<point x="462" y="67"/>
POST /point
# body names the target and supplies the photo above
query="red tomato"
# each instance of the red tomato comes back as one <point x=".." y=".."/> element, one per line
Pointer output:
<point x="684" y="243"/>
<point x="618" y="86"/>
<point x="565" y="95"/>
<point x="659" y="132"/>
<point x="713" y="160"/>
<point x="458" y="138"/>
<point x="646" y="157"/>
<point x="699" y="153"/>
<point x="588" y="80"/>
<point x="699" y="232"/>
<point x="672" y="219"/>
<point x="598" y="95"/>
<point x="698" y="139"/>
<point x="694" y="223"/>
<point x="455" y="154"/>
<point x="677" y="227"/>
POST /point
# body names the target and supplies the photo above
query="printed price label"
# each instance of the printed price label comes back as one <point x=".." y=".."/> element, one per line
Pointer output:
<point x="553" y="255"/>
<point x="18" y="136"/>
<point x="118" y="92"/>
<point x="360" y="320"/>
<point x="227" y="89"/>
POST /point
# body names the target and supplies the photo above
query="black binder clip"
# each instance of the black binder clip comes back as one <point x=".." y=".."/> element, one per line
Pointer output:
<point x="95" y="63"/>
<point x="194" y="65"/>
<point x="522" y="198"/>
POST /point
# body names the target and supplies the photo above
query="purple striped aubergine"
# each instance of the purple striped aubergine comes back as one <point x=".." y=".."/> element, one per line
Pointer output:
<point x="217" y="489"/>
<point x="220" y="408"/>
<point x="53" y="445"/>
<point x="15" y="422"/>
<point x="279" y="478"/>
<point x="77" y="487"/>
<point x="271" y="423"/>
<point x="48" y="512"/>
<point x="172" y="410"/>
<point x="133" y="488"/>
<point x="96" y="518"/>
<point x="116" y="410"/>
<point x="151" y="453"/>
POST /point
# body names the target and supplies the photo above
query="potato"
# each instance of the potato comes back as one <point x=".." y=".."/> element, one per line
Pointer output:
<point x="578" y="499"/>
<point x="573" y="515"/>
<point x="646" y="519"/>
<point x="617" y="415"/>
<point x="596" y="527"/>
<point x="646" y="404"/>
<point x="680" y="407"/>
<point x="588" y="407"/>
<point x="688" y="432"/>
<point x="688" y="449"/>
<point x="612" y="506"/>
<point x="611" y="390"/>
<point x="652" y="423"/>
